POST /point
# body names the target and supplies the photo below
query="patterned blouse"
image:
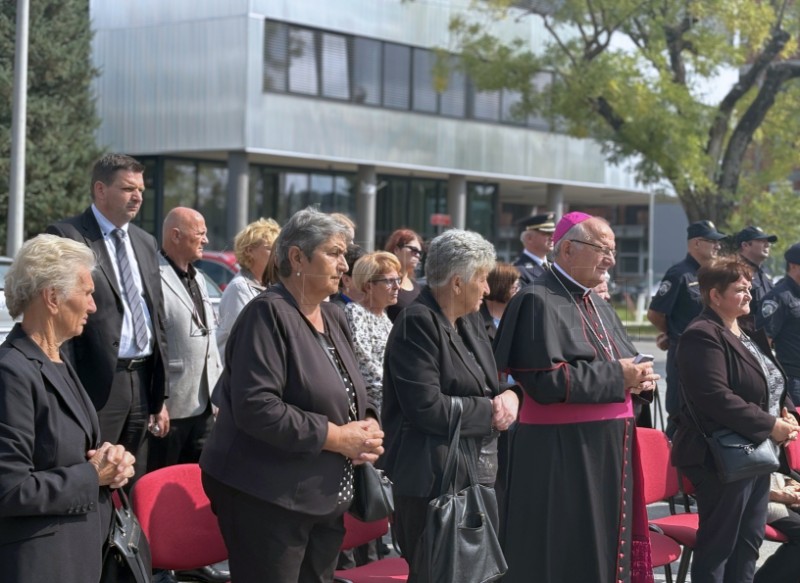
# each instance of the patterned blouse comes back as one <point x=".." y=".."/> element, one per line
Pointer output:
<point x="370" y="333"/>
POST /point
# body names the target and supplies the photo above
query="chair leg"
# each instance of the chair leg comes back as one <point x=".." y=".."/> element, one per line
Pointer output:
<point x="683" y="567"/>
<point x="668" y="572"/>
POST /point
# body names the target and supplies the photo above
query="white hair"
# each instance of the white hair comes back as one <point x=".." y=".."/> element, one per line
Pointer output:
<point x="457" y="252"/>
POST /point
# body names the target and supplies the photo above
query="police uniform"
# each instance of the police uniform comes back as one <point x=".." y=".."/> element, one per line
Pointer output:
<point x="529" y="266"/>
<point x="762" y="281"/>
<point x="678" y="298"/>
<point x="780" y="317"/>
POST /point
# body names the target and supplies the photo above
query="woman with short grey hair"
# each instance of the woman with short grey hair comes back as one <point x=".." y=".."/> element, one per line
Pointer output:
<point x="294" y="417"/>
<point x="439" y="349"/>
<point x="55" y="475"/>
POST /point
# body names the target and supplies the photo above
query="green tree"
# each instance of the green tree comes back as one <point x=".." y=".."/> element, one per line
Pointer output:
<point x="61" y="120"/>
<point x="631" y="74"/>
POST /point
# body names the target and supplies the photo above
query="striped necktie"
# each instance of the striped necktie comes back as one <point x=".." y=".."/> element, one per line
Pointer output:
<point x="130" y="290"/>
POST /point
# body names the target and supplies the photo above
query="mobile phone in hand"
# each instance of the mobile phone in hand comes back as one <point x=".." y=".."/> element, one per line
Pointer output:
<point x="640" y="358"/>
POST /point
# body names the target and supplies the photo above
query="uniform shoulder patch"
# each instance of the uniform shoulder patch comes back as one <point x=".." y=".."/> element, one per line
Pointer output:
<point x="768" y="308"/>
<point x="664" y="287"/>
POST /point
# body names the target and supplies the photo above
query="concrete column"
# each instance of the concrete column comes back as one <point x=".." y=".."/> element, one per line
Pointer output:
<point x="238" y="194"/>
<point x="457" y="200"/>
<point x="366" y="195"/>
<point x="555" y="200"/>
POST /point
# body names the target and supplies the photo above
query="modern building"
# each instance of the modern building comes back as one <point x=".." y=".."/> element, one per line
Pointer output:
<point x="248" y="108"/>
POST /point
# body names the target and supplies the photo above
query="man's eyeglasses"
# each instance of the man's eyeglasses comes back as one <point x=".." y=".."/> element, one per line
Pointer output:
<point x="606" y="251"/>
<point x="195" y="328"/>
<point x="415" y="250"/>
<point x="389" y="281"/>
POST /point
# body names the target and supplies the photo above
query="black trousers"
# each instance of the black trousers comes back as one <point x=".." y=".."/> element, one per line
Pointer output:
<point x="410" y="513"/>
<point x="124" y="417"/>
<point x="184" y="442"/>
<point x="270" y="544"/>
<point x="784" y="564"/>
<point x="732" y="518"/>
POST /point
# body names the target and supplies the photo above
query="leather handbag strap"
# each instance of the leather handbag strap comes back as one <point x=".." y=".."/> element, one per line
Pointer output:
<point x="688" y="403"/>
<point x="451" y="462"/>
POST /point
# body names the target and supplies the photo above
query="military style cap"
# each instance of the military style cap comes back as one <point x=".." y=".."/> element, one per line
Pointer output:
<point x="545" y="223"/>
<point x="704" y="229"/>
<point x="752" y="233"/>
<point x="792" y="254"/>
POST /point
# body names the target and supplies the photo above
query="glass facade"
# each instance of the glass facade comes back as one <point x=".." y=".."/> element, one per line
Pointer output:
<point x="313" y="62"/>
<point x="279" y="192"/>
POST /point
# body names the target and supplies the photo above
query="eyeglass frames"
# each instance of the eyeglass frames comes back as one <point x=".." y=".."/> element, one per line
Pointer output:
<point x="607" y="251"/>
<point x="388" y="281"/>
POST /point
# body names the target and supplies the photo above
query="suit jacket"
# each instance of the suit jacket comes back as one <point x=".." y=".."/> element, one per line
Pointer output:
<point x="726" y="386"/>
<point x="192" y="347"/>
<point x="427" y="361"/>
<point x="94" y="353"/>
<point x="54" y="516"/>
<point x="528" y="269"/>
<point x="277" y="393"/>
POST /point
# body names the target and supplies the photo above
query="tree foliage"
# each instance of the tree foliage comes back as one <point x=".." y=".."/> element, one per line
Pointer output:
<point x="61" y="119"/>
<point x="635" y="75"/>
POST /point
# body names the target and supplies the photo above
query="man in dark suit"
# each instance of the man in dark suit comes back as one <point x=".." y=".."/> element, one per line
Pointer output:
<point x="537" y="239"/>
<point x="120" y="357"/>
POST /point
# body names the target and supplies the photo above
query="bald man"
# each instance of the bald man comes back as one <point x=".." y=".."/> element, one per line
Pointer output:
<point x="194" y="363"/>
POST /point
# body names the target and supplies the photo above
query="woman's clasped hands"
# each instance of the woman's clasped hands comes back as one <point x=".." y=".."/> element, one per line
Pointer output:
<point x="785" y="428"/>
<point x="361" y="441"/>
<point x="113" y="463"/>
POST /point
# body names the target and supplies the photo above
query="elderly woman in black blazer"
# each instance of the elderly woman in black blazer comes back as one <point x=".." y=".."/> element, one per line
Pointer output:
<point x="730" y="380"/>
<point x="55" y="508"/>
<point x="293" y="418"/>
<point x="439" y="348"/>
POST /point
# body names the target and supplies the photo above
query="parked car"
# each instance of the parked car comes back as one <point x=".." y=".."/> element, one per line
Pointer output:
<point x="6" y="322"/>
<point x="220" y="266"/>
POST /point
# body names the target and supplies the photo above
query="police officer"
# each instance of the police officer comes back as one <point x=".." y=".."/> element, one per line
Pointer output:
<point x="537" y="239"/>
<point x="677" y="302"/>
<point x="780" y="318"/>
<point x="753" y="246"/>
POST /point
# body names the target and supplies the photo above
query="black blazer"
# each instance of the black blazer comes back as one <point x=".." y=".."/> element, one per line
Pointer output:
<point x="54" y="516"/>
<point x="276" y="395"/>
<point x="94" y="353"/>
<point x="426" y="361"/>
<point x="726" y="386"/>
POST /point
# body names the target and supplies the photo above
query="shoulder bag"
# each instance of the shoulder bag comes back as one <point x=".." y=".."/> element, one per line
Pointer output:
<point x="460" y="544"/>
<point x="373" y="498"/>
<point x="126" y="557"/>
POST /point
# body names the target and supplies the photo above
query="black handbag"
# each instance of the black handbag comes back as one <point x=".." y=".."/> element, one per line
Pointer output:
<point x="373" y="498"/>
<point x="460" y="544"/>
<point x="737" y="457"/>
<point x="126" y="558"/>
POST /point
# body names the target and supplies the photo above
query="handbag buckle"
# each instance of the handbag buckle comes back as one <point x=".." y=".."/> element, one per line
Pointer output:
<point x="748" y="449"/>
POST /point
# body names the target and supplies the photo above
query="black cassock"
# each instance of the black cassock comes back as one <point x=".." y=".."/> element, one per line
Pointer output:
<point x="570" y="496"/>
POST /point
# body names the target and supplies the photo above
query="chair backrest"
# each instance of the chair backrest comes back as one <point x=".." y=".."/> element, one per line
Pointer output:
<point x="793" y="455"/>
<point x="660" y="476"/>
<point x="359" y="533"/>
<point x="177" y="520"/>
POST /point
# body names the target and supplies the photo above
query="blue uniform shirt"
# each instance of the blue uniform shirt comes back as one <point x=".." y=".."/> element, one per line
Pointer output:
<point x="780" y="317"/>
<point x="678" y="296"/>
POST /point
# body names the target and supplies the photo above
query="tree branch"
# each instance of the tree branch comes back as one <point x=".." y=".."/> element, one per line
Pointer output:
<point x="776" y="75"/>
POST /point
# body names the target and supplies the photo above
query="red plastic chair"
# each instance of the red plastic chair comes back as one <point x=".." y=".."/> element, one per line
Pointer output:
<point x="660" y="483"/>
<point x="177" y="520"/>
<point x="388" y="570"/>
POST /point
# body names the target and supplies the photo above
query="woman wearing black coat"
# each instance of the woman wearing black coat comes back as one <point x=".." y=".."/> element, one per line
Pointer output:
<point x="730" y="380"/>
<point x="438" y="348"/>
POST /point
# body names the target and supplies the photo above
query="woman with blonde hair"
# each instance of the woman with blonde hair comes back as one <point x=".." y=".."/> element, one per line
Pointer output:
<point x="377" y="277"/>
<point x="252" y="246"/>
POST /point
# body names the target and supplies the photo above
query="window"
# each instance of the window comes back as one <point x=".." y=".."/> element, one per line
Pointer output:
<point x="276" y="56"/>
<point x="486" y="105"/>
<point x="335" y="72"/>
<point x="367" y="58"/>
<point x="303" y="63"/>
<point x="454" y="98"/>
<point x="396" y="75"/>
<point x="424" y="94"/>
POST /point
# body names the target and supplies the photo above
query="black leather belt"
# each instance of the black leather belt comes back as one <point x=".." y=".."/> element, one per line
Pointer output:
<point x="131" y="363"/>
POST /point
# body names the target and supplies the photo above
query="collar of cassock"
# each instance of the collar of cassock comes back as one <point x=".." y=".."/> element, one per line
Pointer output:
<point x="586" y="290"/>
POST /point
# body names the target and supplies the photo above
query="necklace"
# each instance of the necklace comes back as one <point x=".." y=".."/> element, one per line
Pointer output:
<point x="607" y="346"/>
